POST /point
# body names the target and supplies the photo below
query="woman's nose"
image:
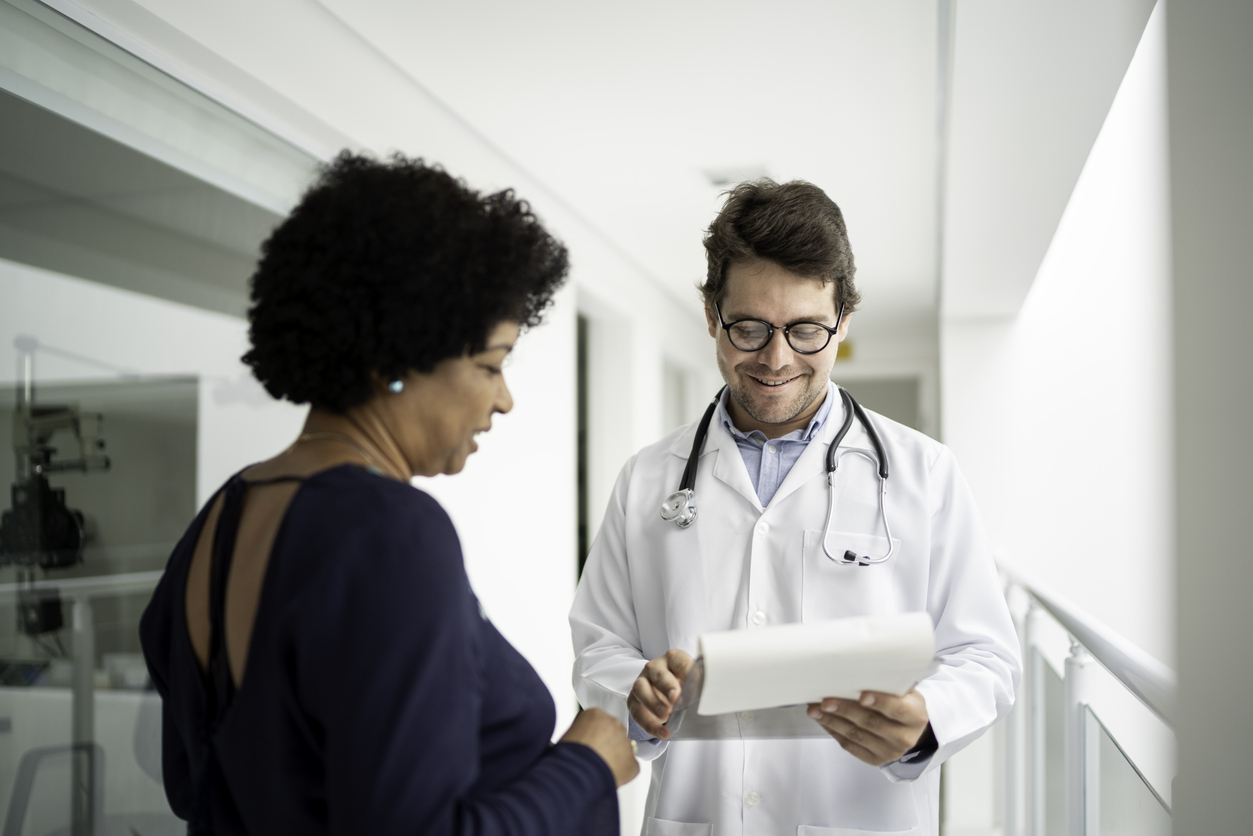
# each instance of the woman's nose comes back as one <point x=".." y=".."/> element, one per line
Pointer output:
<point x="504" y="400"/>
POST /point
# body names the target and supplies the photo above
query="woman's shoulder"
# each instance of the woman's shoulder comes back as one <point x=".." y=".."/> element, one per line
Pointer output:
<point x="395" y="530"/>
<point x="352" y="491"/>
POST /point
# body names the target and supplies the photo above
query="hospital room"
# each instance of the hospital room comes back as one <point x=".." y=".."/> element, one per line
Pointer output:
<point x="419" y="361"/>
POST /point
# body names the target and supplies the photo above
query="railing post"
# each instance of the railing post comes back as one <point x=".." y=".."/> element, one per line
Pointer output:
<point x="1012" y="745"/>
<point x="1081" y="771"/>
<point x="83" y="794"/>
<point x="1033" y="719"/>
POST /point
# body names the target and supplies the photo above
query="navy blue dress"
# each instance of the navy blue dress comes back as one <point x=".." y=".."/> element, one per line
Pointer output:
<point x="377" y="697"/>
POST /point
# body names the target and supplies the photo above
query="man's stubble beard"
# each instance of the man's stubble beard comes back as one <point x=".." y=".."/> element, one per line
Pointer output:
<point x="745" y="401"/>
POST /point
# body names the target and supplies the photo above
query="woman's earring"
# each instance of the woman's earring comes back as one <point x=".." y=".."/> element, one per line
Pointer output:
<point x="396" y="387"/>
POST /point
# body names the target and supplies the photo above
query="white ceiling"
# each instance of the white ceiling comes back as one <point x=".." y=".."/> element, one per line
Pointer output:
<point x="620" y="110"/>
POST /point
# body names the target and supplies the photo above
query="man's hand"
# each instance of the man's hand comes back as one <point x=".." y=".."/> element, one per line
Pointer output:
<point x="878" y="728"/>
<point x="657" y="689"/>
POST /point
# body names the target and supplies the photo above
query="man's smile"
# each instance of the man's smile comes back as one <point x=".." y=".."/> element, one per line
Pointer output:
<point x="773" y="383"/>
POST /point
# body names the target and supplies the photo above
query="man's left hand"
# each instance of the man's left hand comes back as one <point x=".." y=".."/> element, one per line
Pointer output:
<point x="878" y="728"/>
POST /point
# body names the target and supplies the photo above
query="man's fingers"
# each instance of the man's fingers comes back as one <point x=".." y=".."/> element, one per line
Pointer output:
<point x="850" y="731"/>
<point x="857" y="750"/>
<point x="664" y="681"/>
<point x="648" y="719"/>
<point x="680" y="663"/>
<point x="910" y="709"/>
<point x="646" y="695"/>
<point x="873" y="731"/>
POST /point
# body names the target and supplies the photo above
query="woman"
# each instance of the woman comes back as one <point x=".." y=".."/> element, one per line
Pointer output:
<point x="324" y="664"/>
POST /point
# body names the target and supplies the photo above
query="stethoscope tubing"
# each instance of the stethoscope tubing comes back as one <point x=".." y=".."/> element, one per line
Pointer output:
<point x="680" y="506"/>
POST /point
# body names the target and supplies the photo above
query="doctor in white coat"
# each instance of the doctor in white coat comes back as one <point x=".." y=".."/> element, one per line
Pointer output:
<point x="779" y="267"/>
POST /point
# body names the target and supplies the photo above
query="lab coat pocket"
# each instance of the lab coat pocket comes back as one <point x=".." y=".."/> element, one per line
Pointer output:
<point x="661" y="827"/>
<point x="808" y="830"/>
<point x="831" y="589"/>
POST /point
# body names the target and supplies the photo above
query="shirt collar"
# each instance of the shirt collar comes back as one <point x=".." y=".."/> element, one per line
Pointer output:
<point x="815" y="424"/>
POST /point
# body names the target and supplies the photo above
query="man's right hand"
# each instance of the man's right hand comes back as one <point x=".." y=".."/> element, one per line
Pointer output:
<point x="657" y="689"/>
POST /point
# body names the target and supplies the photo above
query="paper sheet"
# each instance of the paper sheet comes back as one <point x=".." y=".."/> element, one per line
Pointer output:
<point x="791" y="664"/>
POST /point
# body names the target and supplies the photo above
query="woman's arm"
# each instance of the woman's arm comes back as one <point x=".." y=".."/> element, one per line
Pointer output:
<point x="389" y="667"/>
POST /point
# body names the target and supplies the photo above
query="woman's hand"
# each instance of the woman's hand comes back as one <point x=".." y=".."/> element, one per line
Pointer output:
<point x="607" y="738"/>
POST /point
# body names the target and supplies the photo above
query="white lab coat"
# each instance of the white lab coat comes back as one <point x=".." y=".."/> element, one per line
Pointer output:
<point x="649" y="586"/>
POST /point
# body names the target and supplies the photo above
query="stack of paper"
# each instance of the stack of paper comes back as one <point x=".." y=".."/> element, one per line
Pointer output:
<point x="773" y="670"/>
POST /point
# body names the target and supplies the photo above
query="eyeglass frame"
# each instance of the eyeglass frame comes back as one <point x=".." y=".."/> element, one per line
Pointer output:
<point x="786" y="329"/>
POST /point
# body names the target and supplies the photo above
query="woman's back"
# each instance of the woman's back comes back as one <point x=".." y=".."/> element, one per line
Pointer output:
<point x="373" y="695"/>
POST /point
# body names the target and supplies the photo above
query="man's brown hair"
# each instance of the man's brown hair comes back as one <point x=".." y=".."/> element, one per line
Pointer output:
<point x="794" y="225"/>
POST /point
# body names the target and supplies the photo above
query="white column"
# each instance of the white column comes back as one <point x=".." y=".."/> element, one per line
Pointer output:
<point x="1209" y="65"/>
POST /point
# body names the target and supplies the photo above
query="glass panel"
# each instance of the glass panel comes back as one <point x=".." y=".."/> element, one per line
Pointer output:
<point x="1128" y="806"/>
<point x="133" y="513"/>
<point x="1054" y="753"/>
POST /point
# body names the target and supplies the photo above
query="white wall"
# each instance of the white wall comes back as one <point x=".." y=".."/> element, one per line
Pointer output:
<point x="1061" y="414"/>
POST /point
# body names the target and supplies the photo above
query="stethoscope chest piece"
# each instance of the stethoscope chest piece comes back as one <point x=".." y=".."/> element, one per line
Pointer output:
<point x="680" y="508"/>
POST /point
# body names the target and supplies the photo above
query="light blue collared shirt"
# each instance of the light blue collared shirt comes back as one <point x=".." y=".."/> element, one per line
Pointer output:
<point x="770" y="460"/>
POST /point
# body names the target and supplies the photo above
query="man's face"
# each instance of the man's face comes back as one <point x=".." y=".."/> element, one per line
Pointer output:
<point x="776" y="388"/>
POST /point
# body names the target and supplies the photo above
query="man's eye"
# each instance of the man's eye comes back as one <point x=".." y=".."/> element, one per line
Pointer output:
<point x="748" y="330"/>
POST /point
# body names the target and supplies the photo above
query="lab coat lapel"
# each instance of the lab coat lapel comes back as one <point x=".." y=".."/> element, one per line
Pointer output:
<point x="729" y="468"/>
<point x="721" y="457"/>
<point x="813" y="461"/>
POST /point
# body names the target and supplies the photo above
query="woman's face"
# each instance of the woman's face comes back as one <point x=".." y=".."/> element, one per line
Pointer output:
<point x="435" y="418"/>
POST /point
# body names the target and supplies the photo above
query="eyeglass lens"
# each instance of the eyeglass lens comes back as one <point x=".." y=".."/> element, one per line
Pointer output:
<point x="752" y="335"/>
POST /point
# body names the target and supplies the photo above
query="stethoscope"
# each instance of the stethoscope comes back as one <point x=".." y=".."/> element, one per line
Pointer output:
<point x="681" y="507"/>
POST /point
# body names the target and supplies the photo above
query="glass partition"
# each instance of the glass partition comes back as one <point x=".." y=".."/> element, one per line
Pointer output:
<point x="80" y="743"/>
<point x="1054" y="753"/>
<point x="1129" y="805"/>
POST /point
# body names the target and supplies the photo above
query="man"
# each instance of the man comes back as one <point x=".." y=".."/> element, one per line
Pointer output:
<point x="778" y="296"/>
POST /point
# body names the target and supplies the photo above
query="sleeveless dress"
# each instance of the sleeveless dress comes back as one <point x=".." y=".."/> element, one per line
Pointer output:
<point x="377" y="698"/>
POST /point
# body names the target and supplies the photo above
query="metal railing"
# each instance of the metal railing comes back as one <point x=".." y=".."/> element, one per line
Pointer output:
<point x="1023" y="739"/>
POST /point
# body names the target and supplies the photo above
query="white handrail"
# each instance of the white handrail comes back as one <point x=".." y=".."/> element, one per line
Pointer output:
<point x="1150" y="681"/>
<point x="1153" y="683"/>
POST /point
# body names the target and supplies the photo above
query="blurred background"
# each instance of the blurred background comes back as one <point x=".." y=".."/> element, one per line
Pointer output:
<point x="1048" y="206"/>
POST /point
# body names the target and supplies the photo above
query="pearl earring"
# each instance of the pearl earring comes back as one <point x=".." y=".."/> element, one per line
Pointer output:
<point x="396" y="387"/>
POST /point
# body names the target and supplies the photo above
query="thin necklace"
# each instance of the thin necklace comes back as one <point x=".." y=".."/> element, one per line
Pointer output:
<point x="344" y="437"/>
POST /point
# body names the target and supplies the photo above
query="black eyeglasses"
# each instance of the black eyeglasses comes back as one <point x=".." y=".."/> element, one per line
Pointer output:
<point x="755" y="334"/>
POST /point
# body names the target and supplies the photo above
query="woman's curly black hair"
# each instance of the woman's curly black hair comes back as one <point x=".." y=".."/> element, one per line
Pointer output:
<point x="389" y="267"/>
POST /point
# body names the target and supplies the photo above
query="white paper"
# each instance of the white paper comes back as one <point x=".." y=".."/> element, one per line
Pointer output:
<point x="749" y="670"/>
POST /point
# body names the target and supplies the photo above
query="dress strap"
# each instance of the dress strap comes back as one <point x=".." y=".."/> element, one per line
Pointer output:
<point x="221" y="686"/>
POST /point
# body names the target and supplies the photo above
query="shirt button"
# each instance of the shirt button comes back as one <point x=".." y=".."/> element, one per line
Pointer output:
<point x="759" y="617"/>
<point x="772" y="449"/>
<point x="746" y="716"/>
<point x="762" y="529"/>
<point x="752" y="798"/>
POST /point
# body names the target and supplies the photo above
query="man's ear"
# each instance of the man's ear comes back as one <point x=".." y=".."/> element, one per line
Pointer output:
<point x="711" y="319"/>
<point x="842" y="333"/>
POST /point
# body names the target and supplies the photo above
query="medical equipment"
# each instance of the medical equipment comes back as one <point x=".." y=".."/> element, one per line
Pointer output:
<point x="680" y="506"/>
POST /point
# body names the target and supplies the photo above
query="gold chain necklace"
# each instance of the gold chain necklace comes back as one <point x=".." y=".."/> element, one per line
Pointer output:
<point x="334" y="436"/>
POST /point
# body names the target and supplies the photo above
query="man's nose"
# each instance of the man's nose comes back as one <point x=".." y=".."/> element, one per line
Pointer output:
<point x="776" y="353"/>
